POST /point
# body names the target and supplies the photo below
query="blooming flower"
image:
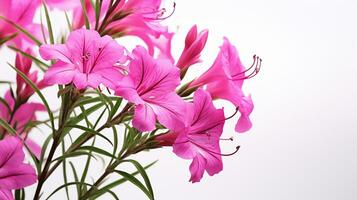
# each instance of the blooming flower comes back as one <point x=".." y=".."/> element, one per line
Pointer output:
<point x="24" y="90"/>
<point x="199" y="139"/>
<point x="21" y="13"/>
<point x="225" y="79"/>
<point x="14" y="174"/>
<point x="19" y="117"/>
<point x="86" y="59"/>
<point x="131" y="18"/>
<point x="194" y="44"/>
<point x="151" y="85"/>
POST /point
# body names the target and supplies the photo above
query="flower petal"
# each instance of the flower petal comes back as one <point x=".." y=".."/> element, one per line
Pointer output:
<point x="197" y="168"/>
<point x="6" y="194"/>
<point x="144" y="118"/>
<point x="60" y="73"/>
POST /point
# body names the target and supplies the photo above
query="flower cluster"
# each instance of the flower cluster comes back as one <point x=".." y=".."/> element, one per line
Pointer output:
<point x="161" y="109"/>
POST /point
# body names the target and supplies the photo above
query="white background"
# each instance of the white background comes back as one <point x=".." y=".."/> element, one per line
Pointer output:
<point x="303" y="143"/>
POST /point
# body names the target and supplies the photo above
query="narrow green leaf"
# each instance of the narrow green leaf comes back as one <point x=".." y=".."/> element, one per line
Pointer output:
<point x="72" y="155"/>
<point x="119" y="182"/>
<point x="24" y="31"/>
<point x="76" y="120"/>
<point x="136" y="182"/>
<point x="68" y="22"/>
<point x="75" y="175"/>
<point x="143" y="173"/>
<point x="7" y="38"/>
<point x="88" y="130"/>
<point x="39" y="93"/>
<point x="64" y="169"/>
<point x="49" y="24"/>
<point x="86" y="19"/>
<point x="85" y="171"/>
<point x="96" y="150"/>
<point x="7" y="126"/>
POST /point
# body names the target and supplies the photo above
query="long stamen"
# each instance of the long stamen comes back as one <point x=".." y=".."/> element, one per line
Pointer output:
<point x="227" y="139"/>
<point x="237" y="109"/>
<point x="210" y="151"/>
<point x="159" y="13"/>
<point x="257" y="62"/>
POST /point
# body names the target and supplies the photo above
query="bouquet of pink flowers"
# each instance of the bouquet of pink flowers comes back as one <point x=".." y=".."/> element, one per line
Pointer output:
<point x="138" y="96"/>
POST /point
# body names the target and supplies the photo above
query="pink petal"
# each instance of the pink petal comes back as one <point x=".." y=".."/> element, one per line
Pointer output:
<point x="60" y="73"/>
<point x="57" y="51"/>
<point x="197" y="168"/>
<point x="34" y="147"/>
<point x="6" y="194"/>
<point x="144" y="118"/>
<point x="170" y="110"/>
<point x="13" y="173"/>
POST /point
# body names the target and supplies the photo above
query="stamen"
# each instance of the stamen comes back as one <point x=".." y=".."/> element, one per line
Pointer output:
<point x="257" y="63"/>
<point x="160" y="13"/>
<point x="210" y="151"/>
<point x="108" y="90"/>
<point x="227" y="139"/>
<point x="237" y="109"/>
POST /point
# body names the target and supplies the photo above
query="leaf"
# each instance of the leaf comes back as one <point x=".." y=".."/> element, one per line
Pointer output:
<point x="78" y="186"/>
<point x="88" y="130"/>
<point x="68" y="22"/>
<point x="38" y="92"/>
<point x="86" y="20"/>
<point x="135" y="181"/>
<point x="7" y="38"/>
<point x="76" y="120"/>
<point x="72" y="154"/>
<point x="49" y="24"/>
<point x="97" y="150"/>
<point x="24" y="31"/>
<point x="143" y="174"/>
<point x="64" y="168"/>
<point x="7" y="126"/>
<point x="85" y="171"/>
<point x="118" y="182"/>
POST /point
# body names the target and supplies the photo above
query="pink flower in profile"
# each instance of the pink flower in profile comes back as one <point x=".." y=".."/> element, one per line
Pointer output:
<point x="194" y="44"/>
<point x="24" y="90"/>
<point x="22" y="13"/>
<point x="142" y="19"/>
<point x="22" y="115"/>
<point x="199" y="140"/>
<point x="151" y="85"/>
<point x="224" y="80"/>
<point x="14" y="174"/>
<point x="87" y="60"/>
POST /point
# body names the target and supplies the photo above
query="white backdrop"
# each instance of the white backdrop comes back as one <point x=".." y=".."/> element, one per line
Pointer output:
<point x="303" y="143"/>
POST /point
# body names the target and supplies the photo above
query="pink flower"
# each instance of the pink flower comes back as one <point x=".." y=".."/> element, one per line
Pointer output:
<point x="14" y="174"/>
<point x="21" y="13"/>
<point x="86" y="59"/>
<point x="132" y="18"/>
<point x="225" y="79"/>
<point x="151" y="85"/>
<point x="199" y="140"/>
<point x="142" y="19"/>
<point x="24" y="90"/>
<point x="19" y="117"/>
<point x="194" y="44"/>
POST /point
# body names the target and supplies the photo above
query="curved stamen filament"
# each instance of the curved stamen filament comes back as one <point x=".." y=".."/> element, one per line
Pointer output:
<point x="257" y="63"/>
